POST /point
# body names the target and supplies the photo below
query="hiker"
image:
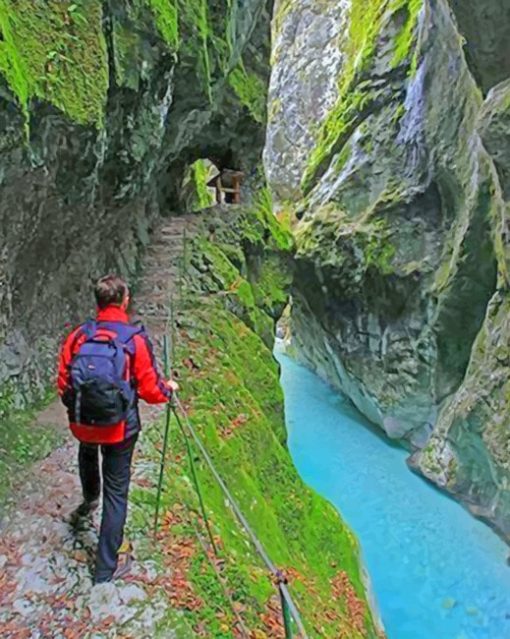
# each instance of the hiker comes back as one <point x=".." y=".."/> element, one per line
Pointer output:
<point x="105" y="366"/>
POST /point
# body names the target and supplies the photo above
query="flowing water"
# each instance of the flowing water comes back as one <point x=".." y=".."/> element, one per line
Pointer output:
<point x="437" y="573"/>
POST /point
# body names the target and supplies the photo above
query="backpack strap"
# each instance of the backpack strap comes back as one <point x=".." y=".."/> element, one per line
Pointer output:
<point x="127" y="333"/>
<point x="88" y="329"/>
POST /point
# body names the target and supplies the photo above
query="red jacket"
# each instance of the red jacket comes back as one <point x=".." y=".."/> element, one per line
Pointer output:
<point x="150" y="386"/>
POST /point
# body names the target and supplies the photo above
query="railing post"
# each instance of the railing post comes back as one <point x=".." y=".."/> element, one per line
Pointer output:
<point x="184" y="248"/>
<point x="287" y="621"/>
<point x="182" y="265"/>
<point x="289" y="611"/>
<point x="172" y="333"/>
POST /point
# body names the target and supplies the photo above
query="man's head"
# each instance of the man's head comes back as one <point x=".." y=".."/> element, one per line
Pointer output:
<point x="111" y="290"/>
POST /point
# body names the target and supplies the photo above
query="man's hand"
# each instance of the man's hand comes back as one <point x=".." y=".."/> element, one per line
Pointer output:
<point x="172" y="385"/>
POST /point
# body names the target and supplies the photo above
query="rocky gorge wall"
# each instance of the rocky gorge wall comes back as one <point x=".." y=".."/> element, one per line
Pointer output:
<point x="388" y="137"/>
<point x="103" y="106"/>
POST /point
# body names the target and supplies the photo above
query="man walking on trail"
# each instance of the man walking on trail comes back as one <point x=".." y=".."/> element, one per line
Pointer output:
<point x="105" y="366"/>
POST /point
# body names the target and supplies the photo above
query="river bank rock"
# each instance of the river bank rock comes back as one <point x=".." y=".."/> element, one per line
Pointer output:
<point x="469" y="451"/>
<point x="401" y="269"/>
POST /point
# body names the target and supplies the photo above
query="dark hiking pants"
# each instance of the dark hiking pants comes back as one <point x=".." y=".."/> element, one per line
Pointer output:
<point x="116" y="469"/>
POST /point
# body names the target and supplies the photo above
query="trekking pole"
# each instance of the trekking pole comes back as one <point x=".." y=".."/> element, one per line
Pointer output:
<point x="195" y="481"/>
<point x="165" y="439"/>
<point x="172" y="328"/>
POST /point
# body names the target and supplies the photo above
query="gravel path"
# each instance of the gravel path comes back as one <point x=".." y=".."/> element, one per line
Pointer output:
<point x="46" y="554"/>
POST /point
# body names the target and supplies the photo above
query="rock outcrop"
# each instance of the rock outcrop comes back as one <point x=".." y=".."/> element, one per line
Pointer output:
<point x="401" y="187"/>
<point x="103" y="107"/>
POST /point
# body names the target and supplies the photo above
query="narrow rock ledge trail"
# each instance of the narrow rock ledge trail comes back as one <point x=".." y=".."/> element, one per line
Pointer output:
<point x="45" y="559"/>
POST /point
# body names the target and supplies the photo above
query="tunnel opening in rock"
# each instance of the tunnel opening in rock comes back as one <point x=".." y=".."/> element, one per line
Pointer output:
<point x="206" y="176"/>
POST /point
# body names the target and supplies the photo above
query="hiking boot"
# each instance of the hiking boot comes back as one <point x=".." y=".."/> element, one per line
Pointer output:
<point x="85" y="509"/>
<point x="123" y="569"/>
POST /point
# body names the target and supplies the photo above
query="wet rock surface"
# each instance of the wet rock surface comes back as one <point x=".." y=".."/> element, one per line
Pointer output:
<point x="486" y="27"/>
<point x="306" y="63"/>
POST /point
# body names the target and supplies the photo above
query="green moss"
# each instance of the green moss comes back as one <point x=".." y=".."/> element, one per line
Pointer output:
<point x="406" y="37"/>
<point x="357" y="95"/>
<point x="194" y="192"/>
<point x="262" y="225"/>
<point x="453" y="470"/>
<point x="275" y="108"/>
<point x="429" y="461"/>
<point x="223" y="275"/>
<point x="365" y="20"/>
<point x="208" y="37"/>
<point x="12" y="65"/>
<point x="194" y="15"/>
<point x="166" y="13"/>
<point x="251" y="91"/>
<point x="235" y="401"/>
<point x="272" y="281"/>
<point x="343" y="158"/>
<point x="349" y="248"/>
<point x="341" y="122"/>
<point x="7" y="398"/>
<point x="23" y="443"/>
<point x="55" y="50"/>
<point x="200" y="172"/>
<point x="126" y="45"/>
<point x="284" y="8"/>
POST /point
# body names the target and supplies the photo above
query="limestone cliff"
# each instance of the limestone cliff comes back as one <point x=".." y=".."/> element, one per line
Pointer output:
<point x="398" y="173"/>
<point x="103" y="107"/>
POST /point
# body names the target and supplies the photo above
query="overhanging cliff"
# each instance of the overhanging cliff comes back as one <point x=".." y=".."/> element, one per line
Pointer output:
<point x="103" y="107"/>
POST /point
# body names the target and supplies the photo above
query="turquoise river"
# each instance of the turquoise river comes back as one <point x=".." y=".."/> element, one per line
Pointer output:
<point x="436" y="572"/>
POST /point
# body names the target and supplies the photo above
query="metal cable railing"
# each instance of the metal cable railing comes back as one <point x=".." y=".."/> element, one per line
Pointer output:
<point x="288" y="605"/>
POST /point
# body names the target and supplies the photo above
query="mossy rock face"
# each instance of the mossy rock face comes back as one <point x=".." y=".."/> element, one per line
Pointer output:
<point x="469" y="451"/>
<point x="56" y="51"/>
<point x="236" y="280"/>
<point x="293" y="123"/>
<point x="194" y="194"/>
<point x="401" y="189"/>
<point x="104" y="109"/>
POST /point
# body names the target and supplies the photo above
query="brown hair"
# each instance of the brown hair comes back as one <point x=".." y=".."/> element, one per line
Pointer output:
<point x="110" y="289"/>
